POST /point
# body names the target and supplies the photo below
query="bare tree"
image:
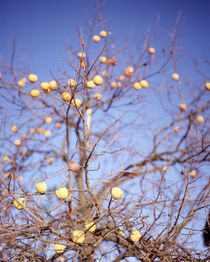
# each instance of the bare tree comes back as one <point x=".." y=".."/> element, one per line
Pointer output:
<point x="108" y="160"/>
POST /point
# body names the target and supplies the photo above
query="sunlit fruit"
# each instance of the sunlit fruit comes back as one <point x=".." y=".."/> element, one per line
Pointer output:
<point x="200" y="119"/>
<point x="207" y="86"/>
<point x="32" y="78"/>
<point x="103" y="33"/>
<point x="5" y="159"/>
<point x="20" y="203"/>
<point x="34" y="93"/>
<point x="81" y="55"/>
<point x="32" y="131"/>
<point x="137" y="86"/>
<point x="78" y="236"/>
<point x="90" y="226"/>
<point x="45" y="87"/>
<point x="73" y="166"/>
<point x="17" y="142"/>
<point x="53" y="84"/>
<point x="182" y="107"/>
<point x="151" y="50"/>
<point x="41" y="187"/>
<point x="20" y="178"/>
<point x="76" y="102"/>
<point x="112" y="61"/>
<point x="72" y="82"/>
<point x="14" y="129"/>
<point x="113" y="84"/>
<point x="121" y="233"/>
<point x="61" y="259"/>
<point x="96" y="38"/>
<point x="176" y="129"/>
<point x="58" y="125"/>
<point x="66" y="96"/>
<point x="98" y="80"/>
<point x="121" y="78"/>
<point x="164" y="169"/>
<point x="48" y="120"/>
<point x="175" y="76"/>
<point x="144" y="83"/>
<point x="23" y="152"/>
<point x="62" y="192"/>
<point x="59" y="248"/>
<point x="193" y="173"/>
<point x="128" y="71"/>
<point x="135" y="236"/>
<point x="0" y="76"/>
<point x="104" y="73"/>
<point x="47" y="133"/>
<point x="117" y="192"/>
<point x="49" y="160"/>
<point x="97" y="96"/>
<point x="90" y="84"/>
<point x="103" y="59"/>
<point x="21" y="83"/>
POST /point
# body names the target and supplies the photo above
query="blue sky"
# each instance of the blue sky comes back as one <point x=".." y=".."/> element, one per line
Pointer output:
<point x="45" y="26"/>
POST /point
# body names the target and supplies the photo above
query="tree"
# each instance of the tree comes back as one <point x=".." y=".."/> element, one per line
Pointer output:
<point x="108" y="160"/>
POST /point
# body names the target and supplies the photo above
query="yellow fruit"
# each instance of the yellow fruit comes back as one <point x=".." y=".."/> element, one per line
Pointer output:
<point x="20" y="203"/>
<point x="114" y="84"/>
<point x="121" y="78"/>
<point x="91" y="226"/>
<point x="45" y="87"/>
<point x="49" y="160"/>
<point x="121" y="233"/>
<point x="144" y="83"/>
<point x="151" y="50"/>
<point x="96" y="38"/>
<point x="104" y="73"/>
<point x="97" y="96"/>
<point x="78" y="236"/>
<point x="200" y="119"/>
<point x="193" y="173"/>
<point x="17" y="142"/>
<point x="137" y="86"/>
<point x="23" y="152"/>
<point x="34" y="93"/>
<point x="32" y="131"/>
<point x="175" y="76"/>
<point x="98" y="80"/>
<point x="182" y="107"/>
<point x="14" y="129"/>
<point x="76" y="102"/>
<point x="53" y="84"/>
<point x="59" y="248"/>
<point x="128" y="71"/>
<point x="81" y="55"/>
<point x="135" y="236"/>
<point x="21" y="83"/>
<point x="72" y="82"/>
<point x="164" y="168"/>
<point x="90" y="84"/>
<point x="5" y="159"/>
<point x="47" y="133"/>
<point x="41" y="187"/>
<point x="117" y="192"/>
<point x="207" y="86"/>
<point x="62" y="192"/>
<point x="20" y="178"/>
<point x="103" y="59"/>
<point x="66" y="96"/>
<point x="61" y="259"/>
<point x="176" y="129"/>
<point x="48" y="120"/>
<point x="32" y="78"/>
<point x="103" y="33"/>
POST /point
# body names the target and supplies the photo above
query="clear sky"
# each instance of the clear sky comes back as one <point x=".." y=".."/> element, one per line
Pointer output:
<point x="44" y="26"/>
